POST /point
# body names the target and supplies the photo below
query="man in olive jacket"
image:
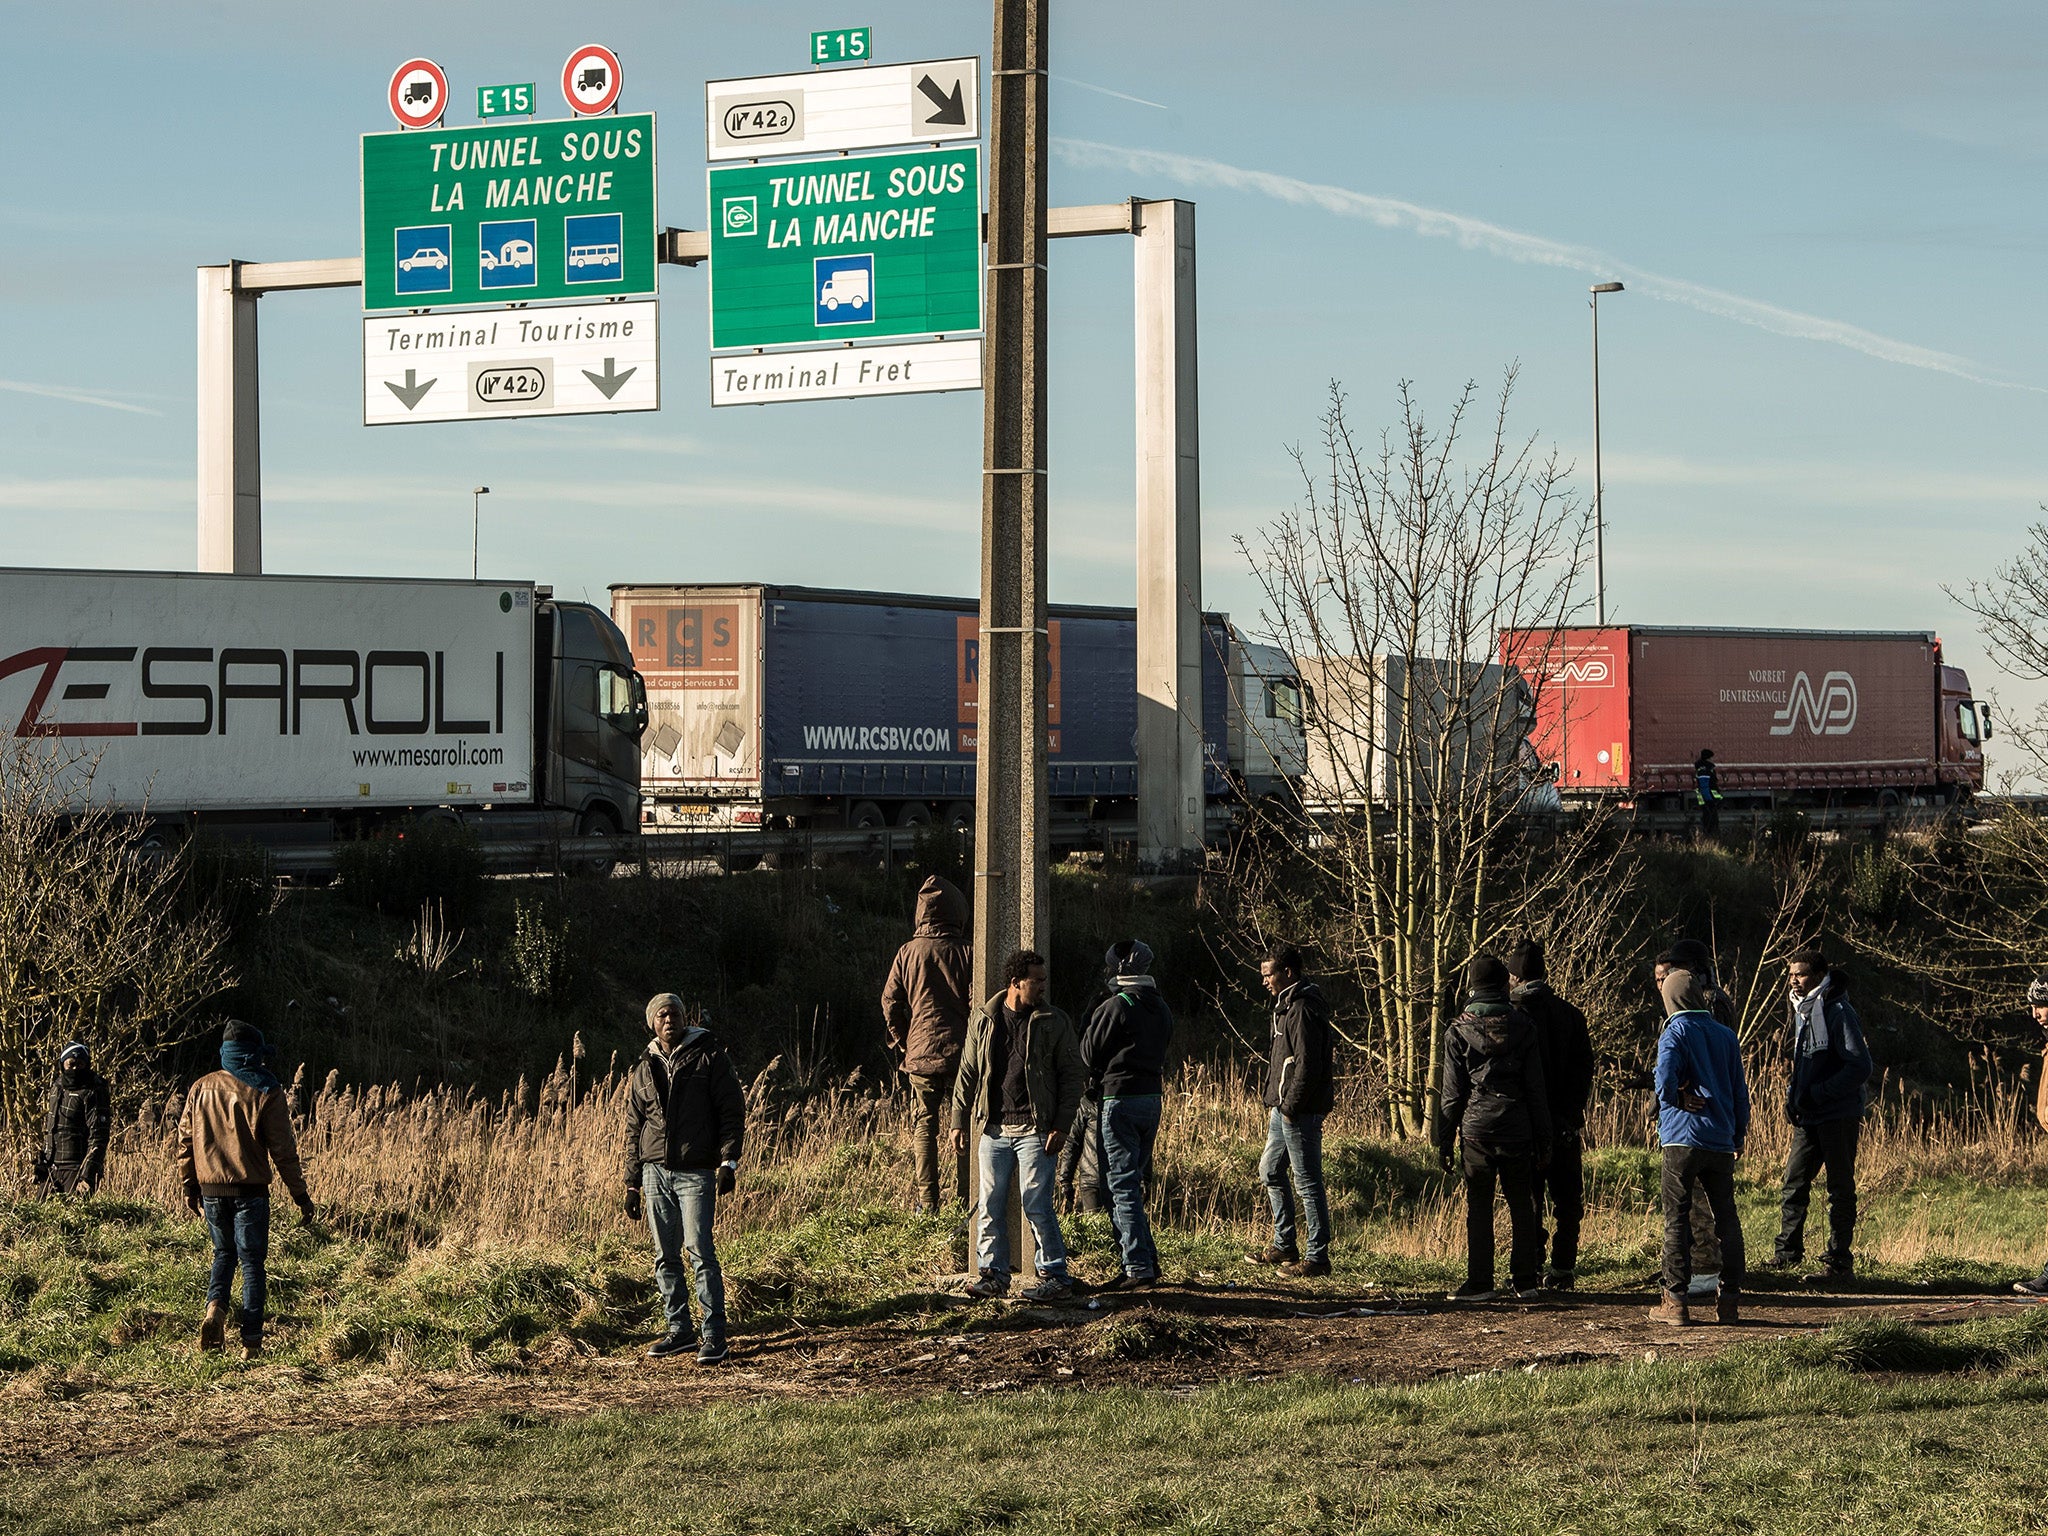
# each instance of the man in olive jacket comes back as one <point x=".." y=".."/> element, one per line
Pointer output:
<point x="1020" y="1081"/>
<point x="925" y="1005"/>
<point x="686" y="1123"/>
<point x="1301" y="1089"/>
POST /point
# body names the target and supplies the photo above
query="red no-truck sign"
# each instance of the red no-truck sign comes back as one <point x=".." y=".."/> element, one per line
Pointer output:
<point x="419" y="93"/>
<point x="591" y="80"/>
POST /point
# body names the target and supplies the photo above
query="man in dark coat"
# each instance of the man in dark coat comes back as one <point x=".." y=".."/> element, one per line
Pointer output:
<point x="1124" y="1051"/>
<point x="2037" y="1004"/>
<point x="924" y="1009"/>
<point x="1301" y="1089"/>
<point x="1568" y="1075"/>
<point x="76" y="1125"/>
<point x="1830" y="1065"/>
<point x="686" y="1123"/>
<point x="1706" y="789"/>
<point x="1496" y="1105"/>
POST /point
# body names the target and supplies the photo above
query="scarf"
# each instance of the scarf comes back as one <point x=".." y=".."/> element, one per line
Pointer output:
<point x="1810" y="1018"/>
<point x="244" y="1060"/>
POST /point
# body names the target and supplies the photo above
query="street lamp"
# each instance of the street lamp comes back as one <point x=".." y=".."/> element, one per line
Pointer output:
<point x="478" y="492"/>
<point x="1599" y="508"/>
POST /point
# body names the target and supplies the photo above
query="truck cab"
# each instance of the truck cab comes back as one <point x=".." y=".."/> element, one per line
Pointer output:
<point x="1964" y="725"/>
<point x="597" y="715"/>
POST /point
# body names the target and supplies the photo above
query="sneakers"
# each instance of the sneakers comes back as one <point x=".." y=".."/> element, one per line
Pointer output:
<point x="1726" y="1307"/>
<point x="1050" y="1288"/>
<point x="1830" y="1274"/>
<point x="674" y="1342"/>
<point x="213" y="1328"/>
<point x="1708" y="1284"/>
<point x="1273" y="1255"/>
<point x="713" y="1349"/>
<point x="1529" y="1292"/>
<point x="1560" y="1279"/>
<point x="2037" y="1287"/>
<point x="990" y="1286"/>
<point x="1305" y="1269"/>
<point x="1671" y="1308"/>
<point x="252" y="1349"/>
<point x="1130" y="1283"/>
<point x="1473" y="1290"/>
<point x="1782" y="1261"/>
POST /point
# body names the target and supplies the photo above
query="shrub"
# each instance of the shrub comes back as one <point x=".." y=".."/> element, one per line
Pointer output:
<point x="400" y="870"/>
<point x="541" y="953"/>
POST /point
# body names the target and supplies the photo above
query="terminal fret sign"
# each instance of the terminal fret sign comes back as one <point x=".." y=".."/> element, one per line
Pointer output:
<point x="839" y="249"/>
<point x="509" y="213"/>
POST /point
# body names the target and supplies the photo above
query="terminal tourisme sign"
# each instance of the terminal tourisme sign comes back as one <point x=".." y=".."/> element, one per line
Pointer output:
<point x="509" y="213"/>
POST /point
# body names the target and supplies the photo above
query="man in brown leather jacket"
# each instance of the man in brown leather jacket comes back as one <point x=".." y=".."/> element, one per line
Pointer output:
<point x="925" y="1008"/>
<point x="235" y="1127"/>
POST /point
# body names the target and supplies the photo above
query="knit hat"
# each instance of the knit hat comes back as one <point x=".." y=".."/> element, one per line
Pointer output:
<point x="658" y="1001"/>
<point x="2037" y="992"/>
<point x="1684" y="993"/>
<point x="75" y="1048"/>
<point x="1128" y="957"/>
<point x="1486" y="974"/>
<point x="239" y="1031"/>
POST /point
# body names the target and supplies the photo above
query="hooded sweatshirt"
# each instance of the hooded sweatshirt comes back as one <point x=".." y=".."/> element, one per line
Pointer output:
<point x="1698" y="1059"/>
<point x="1124" y="1045"/>
<point x="925" y="1003"/>
<point x="1494" y="1091"/>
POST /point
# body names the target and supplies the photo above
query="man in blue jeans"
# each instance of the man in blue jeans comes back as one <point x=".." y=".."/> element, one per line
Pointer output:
<point x="236" y="1126"/>
<point x="1300" y="1090"/>
<point x="686" y="1122"/>
<point x="1020" y="1085"/>
<point x="1124" y="1051"/>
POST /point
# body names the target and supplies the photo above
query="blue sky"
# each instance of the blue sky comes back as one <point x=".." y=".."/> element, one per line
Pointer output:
<point x="1823" y="394"/>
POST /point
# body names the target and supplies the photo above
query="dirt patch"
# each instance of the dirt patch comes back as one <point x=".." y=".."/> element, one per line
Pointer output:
<point x="1173" y="1338"/>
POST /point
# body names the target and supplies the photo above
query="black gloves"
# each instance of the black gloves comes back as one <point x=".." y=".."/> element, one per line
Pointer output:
<point x="41" y="1167"/>
<point x="725" y="1179"/>
<point x="632" y="1205"/>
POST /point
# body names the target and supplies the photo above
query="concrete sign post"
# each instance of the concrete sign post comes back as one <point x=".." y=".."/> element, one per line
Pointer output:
<point x="509" y="213"/>
<point x="565" y="360"/>
<point x="846" y="250"/>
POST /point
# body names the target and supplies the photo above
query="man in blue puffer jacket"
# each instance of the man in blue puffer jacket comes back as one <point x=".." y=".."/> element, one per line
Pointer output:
<point x="1830" y="1065"/>
<point x="1702" y="1122"/>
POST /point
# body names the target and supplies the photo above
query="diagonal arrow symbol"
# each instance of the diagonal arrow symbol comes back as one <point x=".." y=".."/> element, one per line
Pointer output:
<point x="949" y="111"/>
<point x="609" y="382"/>
<point x="409" y="393"/>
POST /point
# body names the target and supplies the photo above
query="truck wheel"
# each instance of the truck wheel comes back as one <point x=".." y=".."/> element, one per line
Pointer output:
<point x="915" y="813"/>
<point x="958" y="815"/>
<point x="866" y="816"/>
<point x="595" y="823"/>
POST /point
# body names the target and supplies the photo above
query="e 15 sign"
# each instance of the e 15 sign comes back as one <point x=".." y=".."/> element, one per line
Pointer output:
<point x="845" y="45"/>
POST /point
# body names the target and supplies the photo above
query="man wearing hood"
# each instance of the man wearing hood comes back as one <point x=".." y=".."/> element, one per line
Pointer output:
<point x="76" y="1124"/>
<point x="236" y="1126"/>
<point x="1301" y="1090"/>
<point x="1691" y="955"/>
<point x="1124" y="1052"/>
<point x="1702" y="1122"/>
<point x="1496" y="1103"/>
<point x="924" y="1009"/>
<point x="1567" y="1050"/>
<point x="1830" y="1065"/>
<point x="686" y="1123"/>
<point x="2037" y="1004"/>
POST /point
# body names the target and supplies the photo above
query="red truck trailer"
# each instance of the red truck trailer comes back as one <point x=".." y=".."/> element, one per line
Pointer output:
<point x="1800" y="718"/>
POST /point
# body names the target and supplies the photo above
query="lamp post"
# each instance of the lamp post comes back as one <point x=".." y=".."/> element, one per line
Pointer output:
<point x="1599" y="507"/>
<point x="478" y="492"/>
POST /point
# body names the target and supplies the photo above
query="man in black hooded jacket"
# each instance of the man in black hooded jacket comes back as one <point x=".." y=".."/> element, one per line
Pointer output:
<point x="1301" y="1090"/>
<point x="1496" y="1102"/>
<point x="1124" y="1050"/>
<point x="76" y="1125"/>
<point x="1568" y="1075"/>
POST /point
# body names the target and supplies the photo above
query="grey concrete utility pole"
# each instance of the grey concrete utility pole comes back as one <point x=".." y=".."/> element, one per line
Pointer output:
<point x="1010" y="814"/>
<point x="1172" y="809"/>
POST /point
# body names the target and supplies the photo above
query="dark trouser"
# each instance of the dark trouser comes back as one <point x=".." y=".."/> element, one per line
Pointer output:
<point x="1562" y="1188"/>
<point x="1083" y="1165"/>
<point x="1832" y="1146"/>
<point x="62" y="1179"/>
<point x="240" y="1228"/>
<point x="931" y="1117"/>
<point x="1710" y="818"/>
<point x="1515" y="1170"/>
<point x="1688" y="1171"/>
<point x="1294" y="1154"/>
<point x="1129" y="1127"/>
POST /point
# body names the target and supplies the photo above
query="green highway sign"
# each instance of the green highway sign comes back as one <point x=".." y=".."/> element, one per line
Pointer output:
<point x="844" y="45"/>
<point x="509" y="213"/>
<point x="505" y="100"/>
<point x="845" y="248"/>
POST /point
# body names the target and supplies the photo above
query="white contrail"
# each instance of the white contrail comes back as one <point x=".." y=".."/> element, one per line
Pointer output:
<point x="1513" y="244"/>
<point x="75" y="396"/>
<point x="1106" y="91"/>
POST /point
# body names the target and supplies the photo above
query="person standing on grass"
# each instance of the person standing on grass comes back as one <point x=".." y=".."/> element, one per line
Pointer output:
<point x="686" y="1123"/>
<point x="1301" y="1090"/>
<point x="76" y="1125"/>
<point x="2037" y="1004"/>
<point x="1020" y="1082"/>
<point x="1824" y="1103"/>
<point x="235" y="1127"/>
<point x="1083" y="1171"/>
<point x="1567" y="1051"/>
<point x="1702" y="1122"/>
<point x="1124" y="1053"/>
<point x="1691" y="955"/>
<point x="1496" y="1105"/>
<point x="925" y="1003"/>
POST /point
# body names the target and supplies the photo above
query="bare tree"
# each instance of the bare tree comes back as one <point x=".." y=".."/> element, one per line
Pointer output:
<point x="1392" y="583"/>
<point x="94" y="946"/>
<point x="2012" y="607"/>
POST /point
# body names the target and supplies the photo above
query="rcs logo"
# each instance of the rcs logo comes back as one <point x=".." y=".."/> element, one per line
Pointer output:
<point x="698" y="639"/>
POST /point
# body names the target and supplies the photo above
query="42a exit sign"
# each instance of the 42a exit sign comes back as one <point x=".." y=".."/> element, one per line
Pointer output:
<point x="843" y="45"/>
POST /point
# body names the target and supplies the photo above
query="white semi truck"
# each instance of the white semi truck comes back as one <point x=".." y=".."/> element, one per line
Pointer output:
<point x="302" y="709"/>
